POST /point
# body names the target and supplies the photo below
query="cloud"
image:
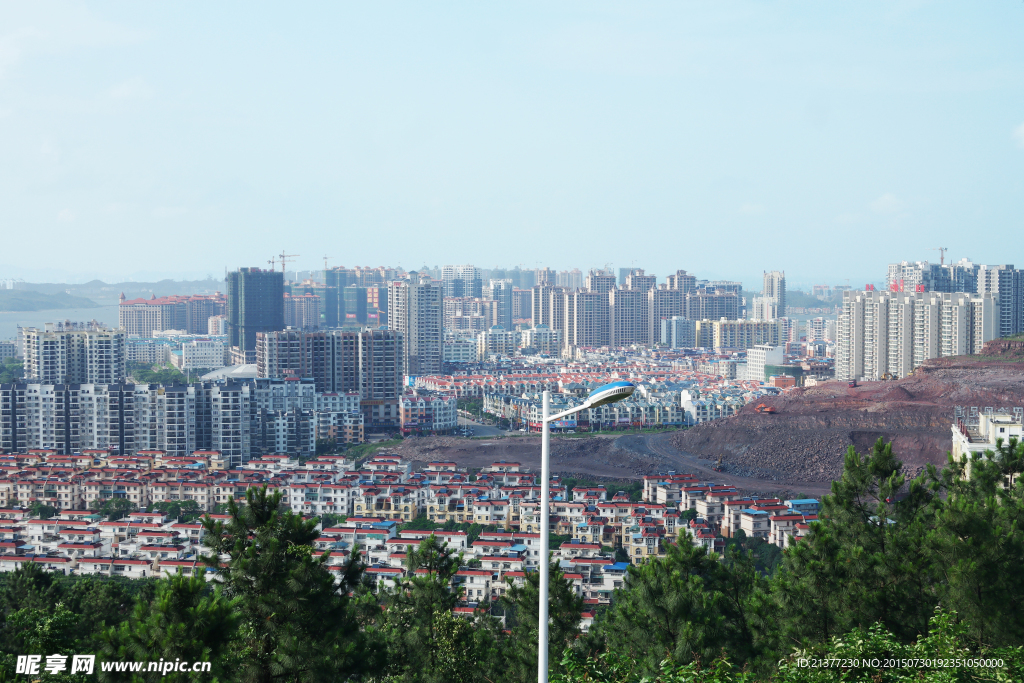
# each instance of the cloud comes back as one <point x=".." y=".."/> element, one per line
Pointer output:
<point x="66" y="216"/>
<point x="1018" y="134"/>
<point x="748" y="209"/>
<point x="887" y="203"/>
<point x="168" y="211"/>
<point x="30" y="29"/>
<point x="132" y="89"/>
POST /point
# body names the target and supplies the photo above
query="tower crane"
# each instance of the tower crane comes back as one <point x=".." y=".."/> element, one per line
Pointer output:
<point x="273" y="263"/>
<point x="942" y="254"/>
<point x="284" y="259"/>
<point x="325" y="262"/>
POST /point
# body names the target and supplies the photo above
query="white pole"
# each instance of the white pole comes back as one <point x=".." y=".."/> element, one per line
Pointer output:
<point x="545" y="475"/>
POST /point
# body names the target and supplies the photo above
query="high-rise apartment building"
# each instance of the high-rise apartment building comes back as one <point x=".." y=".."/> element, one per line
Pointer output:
<point x="586" y="319"/>
<point x="548" y="306"/>
<point x="600" y="281"/>
<point x="415" y="308"/>
<point x="501" y="293"/>
<point x="462" y="281"/>
<point x="302" y="311"/>
<point x="711" y="304"/>
<point x="627" y="317"/>
<point x="143" y="317"/>
<point x="637" y="280"/>
<point x="775" y="292"/>
<point x="54" y="355"/>
<point x="255" y="304"/>
<point x="678" y="333"/>
<point x="682" y="281"/>
<point x="662" y="304"/>
<point x="888" y="334"/>
<point x="522" y="304"/>
<point x="737" y="334"/>
<point x="923" y="276"/>
<point x="570" y="279"/>
<point x="369" y="361"/>
<point x="1006" y="284"/>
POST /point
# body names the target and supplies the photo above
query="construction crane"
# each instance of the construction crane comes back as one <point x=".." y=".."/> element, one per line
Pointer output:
<point x="942" y="254"/>
<point x="272" y="263"/>
<point x="325" y="262"/>
<point x="284" y="259"/>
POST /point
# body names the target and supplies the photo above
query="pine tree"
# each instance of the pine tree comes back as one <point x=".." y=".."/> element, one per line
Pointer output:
<point x="522" y="608"/>
<point x="866" y="561"/>
<point x="689" y="606"/>
<point x="295" y="622"/>
<point x="186" y="620"/>
<point x="979" y="545"/>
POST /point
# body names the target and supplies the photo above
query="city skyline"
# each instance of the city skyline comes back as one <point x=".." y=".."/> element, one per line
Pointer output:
<point x="475" y="134"/>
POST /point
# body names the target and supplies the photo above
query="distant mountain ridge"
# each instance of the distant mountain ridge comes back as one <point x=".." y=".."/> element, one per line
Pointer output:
<point x="27" y="300"/>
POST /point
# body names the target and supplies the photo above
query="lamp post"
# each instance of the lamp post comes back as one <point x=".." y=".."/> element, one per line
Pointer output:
<point x="609" y="393"/>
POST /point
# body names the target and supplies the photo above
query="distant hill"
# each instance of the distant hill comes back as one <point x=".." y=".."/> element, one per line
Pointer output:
<point x="26" y="300"/>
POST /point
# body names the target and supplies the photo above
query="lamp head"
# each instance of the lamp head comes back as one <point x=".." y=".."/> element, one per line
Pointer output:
<point x="610" y="393"/>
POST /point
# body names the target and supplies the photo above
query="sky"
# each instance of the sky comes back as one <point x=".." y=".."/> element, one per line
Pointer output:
<point x="151" y="140"/>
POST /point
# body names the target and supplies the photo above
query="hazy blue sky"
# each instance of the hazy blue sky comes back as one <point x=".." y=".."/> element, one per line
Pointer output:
<point x="726" y="138"/>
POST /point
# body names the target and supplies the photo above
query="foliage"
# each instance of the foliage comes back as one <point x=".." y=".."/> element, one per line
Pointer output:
<point x="870" y="655"/>
<point x="11" y="370"/>
<point x="421" y="523"/>
<point x="522" y="607"/>
<point x="42" y="510"/>
<point x="767" y="556"/>
<point x="472" y="529"/>
<point x="185" y="620"/>
<point x="113" y="508"/>
<point x="183" y="510"/>
<point x="690" y="606"/>
<point x="146" y="374"/>
<point x="294" y="622"/>
<point x="327" y="520"/>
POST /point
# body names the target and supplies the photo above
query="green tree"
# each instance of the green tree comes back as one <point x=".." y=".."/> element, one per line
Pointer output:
<point x="184" y="510"/>
<point x="42" y="510"/>
<point x="185" y="620"/>
<point x="409" y="622"/>
<point x="689" y="606"/>
<point x="295" y="622"/>
<point x="868" y="561"/>
<point x="113" y="508"/>
<point x="522" y="605"/>
<point x="978" y="544"/>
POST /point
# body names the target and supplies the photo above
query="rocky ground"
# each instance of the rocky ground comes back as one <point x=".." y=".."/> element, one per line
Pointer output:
<point x="807" y="436"/>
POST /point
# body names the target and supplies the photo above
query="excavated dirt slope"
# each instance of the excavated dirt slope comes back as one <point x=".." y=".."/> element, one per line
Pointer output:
<point x="805" y="439"/>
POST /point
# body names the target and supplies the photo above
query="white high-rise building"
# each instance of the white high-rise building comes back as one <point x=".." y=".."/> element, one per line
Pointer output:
<point x="462" y="281"/>
<point x="679" y="333"/>
<point x="58" y="356"/>
<point x="1006" y="284"/>
<point x="416" y="310"/>
<point x="775" y="290"/>
<point x="888" y="334"/>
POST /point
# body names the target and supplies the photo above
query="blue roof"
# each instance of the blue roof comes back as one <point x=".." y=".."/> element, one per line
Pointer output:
<point x="802" y="501"/>
<point x="618" y="566"/>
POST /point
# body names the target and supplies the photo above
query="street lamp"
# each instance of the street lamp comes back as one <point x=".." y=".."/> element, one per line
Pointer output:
<point x="609" y="393"/>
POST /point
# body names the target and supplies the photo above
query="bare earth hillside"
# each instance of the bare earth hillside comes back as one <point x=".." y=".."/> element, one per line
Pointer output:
<point x="804" y="441"/>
